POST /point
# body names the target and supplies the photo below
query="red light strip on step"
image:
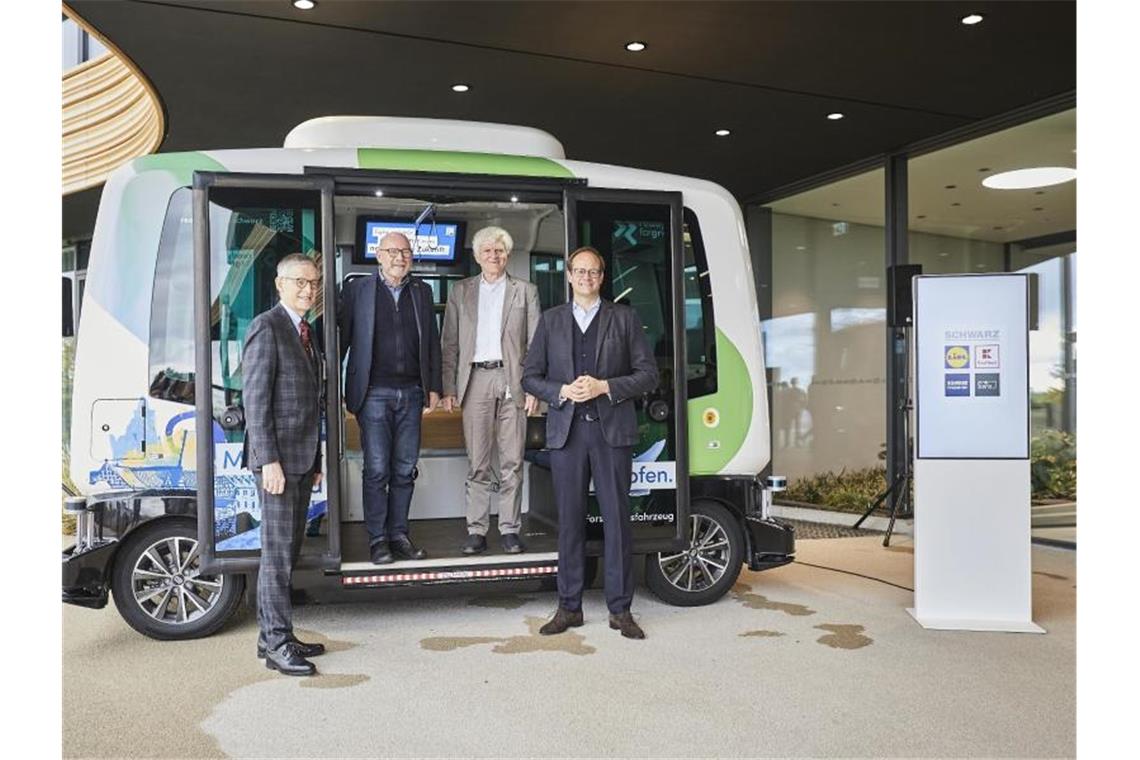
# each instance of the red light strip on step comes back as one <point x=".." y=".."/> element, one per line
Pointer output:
<point x="447" y="575"/>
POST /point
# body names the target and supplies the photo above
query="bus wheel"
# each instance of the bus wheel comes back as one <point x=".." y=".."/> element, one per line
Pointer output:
<point x="704" y="570"/>
<point x="158" y="589"/>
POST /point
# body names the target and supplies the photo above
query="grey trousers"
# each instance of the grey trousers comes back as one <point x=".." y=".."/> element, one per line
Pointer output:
<point x="493" y="428"/>
<point x="282" y="530"/>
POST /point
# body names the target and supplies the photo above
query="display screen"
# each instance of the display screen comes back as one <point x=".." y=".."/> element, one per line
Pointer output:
<point x="433" y="241"/>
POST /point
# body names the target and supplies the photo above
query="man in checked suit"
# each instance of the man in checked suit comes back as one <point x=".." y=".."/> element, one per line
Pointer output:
<point x="589" y="361"/>
<point x="281" y="369"/>
<point x="487" y="326"/>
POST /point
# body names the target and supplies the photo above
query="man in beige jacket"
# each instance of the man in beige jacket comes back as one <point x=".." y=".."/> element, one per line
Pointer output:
<point x="488" y="324"/>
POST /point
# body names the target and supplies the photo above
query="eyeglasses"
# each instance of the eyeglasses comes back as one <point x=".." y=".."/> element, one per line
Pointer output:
<point x="586" y="272"/>
<point x="395" y="252"/>
<point x="302" y="283"/>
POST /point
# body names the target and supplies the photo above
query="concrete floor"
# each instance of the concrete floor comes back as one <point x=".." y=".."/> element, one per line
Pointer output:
<point x="798" y="661"/>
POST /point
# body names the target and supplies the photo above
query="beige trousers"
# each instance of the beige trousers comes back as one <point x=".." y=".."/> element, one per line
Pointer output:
<point x="494" y="429"/>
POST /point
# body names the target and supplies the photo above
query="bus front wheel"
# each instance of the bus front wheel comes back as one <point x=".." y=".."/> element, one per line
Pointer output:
<point x="159" y="590"/>
<point x="707" y="567"/>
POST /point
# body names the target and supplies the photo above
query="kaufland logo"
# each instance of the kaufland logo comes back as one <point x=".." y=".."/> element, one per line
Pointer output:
<point x="987" y="356"/>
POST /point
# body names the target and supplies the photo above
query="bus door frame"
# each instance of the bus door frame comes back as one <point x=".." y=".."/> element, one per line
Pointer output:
<point x="203" y="362"/>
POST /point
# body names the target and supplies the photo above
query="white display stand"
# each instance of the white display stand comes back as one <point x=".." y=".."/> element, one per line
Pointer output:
<point x="972" y="566"/>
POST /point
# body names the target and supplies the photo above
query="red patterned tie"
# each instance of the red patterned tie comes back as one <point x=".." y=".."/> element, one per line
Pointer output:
<point x="306" y="337"/>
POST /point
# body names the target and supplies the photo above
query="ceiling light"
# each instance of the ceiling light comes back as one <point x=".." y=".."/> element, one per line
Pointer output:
<point x="305" y="5"/>
<point x="723" y="133"/>
<point x="636" y="46"/>
<point x="514" y="199"/>
<point x="972" y="19"/>
<point x="379" y="193"/>
<point x="460" y="87"/>
<point x="1020" y="179"/>
<point x="836" y="116"/>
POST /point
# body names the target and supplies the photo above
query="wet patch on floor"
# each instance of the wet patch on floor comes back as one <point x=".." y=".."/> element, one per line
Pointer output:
<point x="742" y="593"/>
<point x="500" y="601"/>
<point x="331" y="645"/>
<point x="843" y="636"/>
<point x="763" y="634"/>
<point x="334" y="680"/>
<point x="1054" y="576"/>
<point x="569" y="642"/>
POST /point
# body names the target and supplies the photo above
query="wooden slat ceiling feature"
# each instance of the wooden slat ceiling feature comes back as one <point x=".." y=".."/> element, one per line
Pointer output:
<point x="110" y="116"/>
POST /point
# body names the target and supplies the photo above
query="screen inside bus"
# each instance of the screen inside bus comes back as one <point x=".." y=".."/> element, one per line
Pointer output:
<point x="432" y="241"/>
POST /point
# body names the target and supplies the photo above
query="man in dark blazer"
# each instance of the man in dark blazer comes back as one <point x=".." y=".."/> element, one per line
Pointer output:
<point x="589" y="361"/>
<point x="281" y="392"/>
<point x="388" y="329"/>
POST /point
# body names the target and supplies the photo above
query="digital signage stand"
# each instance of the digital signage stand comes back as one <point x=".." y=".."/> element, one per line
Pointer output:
<point x="972" y="562"/>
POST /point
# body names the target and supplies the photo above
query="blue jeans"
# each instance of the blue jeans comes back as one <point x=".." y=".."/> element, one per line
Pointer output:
<point x="390" y="435"/>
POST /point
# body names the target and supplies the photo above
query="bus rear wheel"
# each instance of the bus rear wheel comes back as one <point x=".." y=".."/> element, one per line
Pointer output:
<point x="159" y="590"/>
<point x="704" y="570"/>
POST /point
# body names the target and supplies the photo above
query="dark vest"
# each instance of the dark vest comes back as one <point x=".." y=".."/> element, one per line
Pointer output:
<point x="395" y="340"/>
<point x="585" y="362"/>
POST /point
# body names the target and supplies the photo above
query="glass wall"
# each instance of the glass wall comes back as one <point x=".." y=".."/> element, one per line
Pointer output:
<point x="825" y="340"/>
<point x="820" y="263"/>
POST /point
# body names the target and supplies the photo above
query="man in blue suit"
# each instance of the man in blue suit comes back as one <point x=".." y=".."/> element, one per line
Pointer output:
<point x="590" y="361"/>
<point x="388" y="328"/>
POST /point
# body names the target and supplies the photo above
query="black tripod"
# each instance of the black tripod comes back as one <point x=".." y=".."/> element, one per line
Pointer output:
<point x="900" y="489"/>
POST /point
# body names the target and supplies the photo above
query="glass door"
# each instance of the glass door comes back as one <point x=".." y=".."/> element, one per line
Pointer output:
<point x="243" y="225"/>
<point x="638" y="234"/>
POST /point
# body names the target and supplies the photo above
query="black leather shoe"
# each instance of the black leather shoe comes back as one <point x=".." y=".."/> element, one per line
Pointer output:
<point x="512" y="544"/>
<point x="475" y="544"/>
<point x="562" y="620"/>
<point x="381" y="554"/>
<point x="403" y="548"/>
<point x="287" y="659"/>
<point x="623" y="621"/>
<point x="304" y="649"/>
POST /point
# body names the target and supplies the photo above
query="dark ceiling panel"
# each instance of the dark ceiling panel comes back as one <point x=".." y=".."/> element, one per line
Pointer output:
<point x="242" y="74"/>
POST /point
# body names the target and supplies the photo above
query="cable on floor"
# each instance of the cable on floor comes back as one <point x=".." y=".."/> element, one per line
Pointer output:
<point x="849" y="572"/>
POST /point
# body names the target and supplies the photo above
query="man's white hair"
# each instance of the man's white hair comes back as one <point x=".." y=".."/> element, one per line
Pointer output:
<point x="492" y="234"/>
<point x="287" y="263"/>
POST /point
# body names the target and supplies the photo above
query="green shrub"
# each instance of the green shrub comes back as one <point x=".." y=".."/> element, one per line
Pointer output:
<point x="844" y="491"/>
<point x="1053" y="465"/>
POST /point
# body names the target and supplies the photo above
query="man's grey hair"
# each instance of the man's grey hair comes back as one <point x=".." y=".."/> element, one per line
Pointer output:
<point x="285" y="264"/>
<point x="492" y="234"/>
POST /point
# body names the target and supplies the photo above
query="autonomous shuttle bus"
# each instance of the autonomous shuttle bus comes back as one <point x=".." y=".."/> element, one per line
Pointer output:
<point x="184" y="257"/>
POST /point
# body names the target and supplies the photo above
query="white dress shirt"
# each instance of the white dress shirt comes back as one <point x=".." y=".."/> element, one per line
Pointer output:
<point x="489" y="332"/>
<point x="585" y="316"/>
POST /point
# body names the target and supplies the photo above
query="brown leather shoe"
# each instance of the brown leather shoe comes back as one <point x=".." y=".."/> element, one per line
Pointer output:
<point x="623" y="621"/>
<point x="562" y="620"/>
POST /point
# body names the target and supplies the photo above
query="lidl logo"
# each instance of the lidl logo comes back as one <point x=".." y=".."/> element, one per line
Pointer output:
<point x="957" y="385"/>
<point x="987" y="356"/>
<point x="957" y="357"/>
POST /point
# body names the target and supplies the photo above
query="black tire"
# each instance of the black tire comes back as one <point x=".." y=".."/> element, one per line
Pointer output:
<point x="170" y="601"/>
<point x="692" y="577"/>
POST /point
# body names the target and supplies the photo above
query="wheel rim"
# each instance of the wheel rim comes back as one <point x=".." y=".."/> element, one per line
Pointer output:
<point x="167" y="585"/>
<point x="704" y="562"/>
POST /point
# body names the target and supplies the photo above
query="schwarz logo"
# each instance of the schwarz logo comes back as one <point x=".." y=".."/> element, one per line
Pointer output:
<point x="957" y="357"/>
<point x="987" y="384"/>
<point x="987" y="356"/>
<point x="957" y="385"/>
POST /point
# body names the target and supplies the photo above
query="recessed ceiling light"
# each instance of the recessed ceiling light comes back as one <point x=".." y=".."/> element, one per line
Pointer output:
<point x="836" y="116"/>
<point x="514" y="199"/>
<point x="984" y="169"/>
<point x="1038" y="208"/>
<point x="379" y="193"/>
<point x="723" y="133"/>
<point x="921" y="216"/>
<point x="972" y="19"/>
<point x="943" y="254"/>
<point x="305" y="5"/>
<point x="951" y="187"/>
<point x="801" y="247"/>
<point x="955" y="204"/>
<point x="1020" y="179"/>
<point x="635" y="46"/>
<point x="460" y="87"/>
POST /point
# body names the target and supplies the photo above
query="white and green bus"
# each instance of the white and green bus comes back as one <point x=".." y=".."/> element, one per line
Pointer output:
<point x="183" y="258"/>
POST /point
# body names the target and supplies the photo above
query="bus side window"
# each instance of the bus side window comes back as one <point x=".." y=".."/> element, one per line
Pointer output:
<point x="700" y="326"/>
